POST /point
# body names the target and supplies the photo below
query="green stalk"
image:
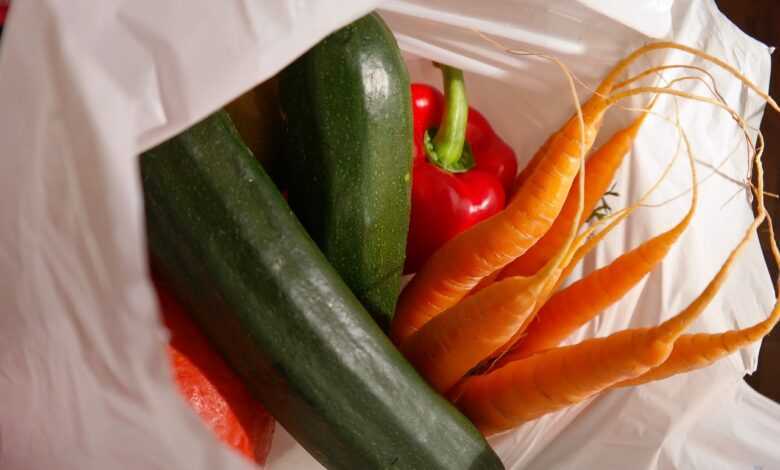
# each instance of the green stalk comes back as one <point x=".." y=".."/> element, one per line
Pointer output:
<point x="450" y="138"/>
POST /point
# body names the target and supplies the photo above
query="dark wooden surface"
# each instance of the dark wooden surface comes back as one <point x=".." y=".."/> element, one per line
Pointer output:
<point x="761" y="19"/>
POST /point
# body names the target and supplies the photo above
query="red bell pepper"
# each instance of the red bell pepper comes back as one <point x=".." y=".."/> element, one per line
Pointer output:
<point x="462" y="169"/>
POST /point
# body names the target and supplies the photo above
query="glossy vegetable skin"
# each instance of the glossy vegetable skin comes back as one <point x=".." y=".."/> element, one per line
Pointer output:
<point x="349" y="154"/>
<point x="228" y="244"/>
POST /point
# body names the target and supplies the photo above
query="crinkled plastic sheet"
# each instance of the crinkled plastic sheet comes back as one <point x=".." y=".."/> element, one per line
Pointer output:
<point x="86" y="86"/>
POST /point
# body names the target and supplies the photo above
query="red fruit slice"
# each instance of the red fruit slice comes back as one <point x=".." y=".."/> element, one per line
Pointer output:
<point x="211" y="388"/>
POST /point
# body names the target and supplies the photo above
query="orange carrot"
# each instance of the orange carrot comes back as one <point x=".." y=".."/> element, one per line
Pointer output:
<point x="452" y="343"/>
<point x="528" y="388"/>
<point x="600" y="169"/>
<point x="446" y="347"/>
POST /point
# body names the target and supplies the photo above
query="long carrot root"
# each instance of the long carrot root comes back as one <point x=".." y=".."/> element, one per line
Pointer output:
<point x="701" y="350"/>
<point x="692" y="352"/>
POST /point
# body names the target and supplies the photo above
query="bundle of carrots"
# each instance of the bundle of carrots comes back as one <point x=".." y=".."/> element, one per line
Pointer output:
<point x="483" y="319"/>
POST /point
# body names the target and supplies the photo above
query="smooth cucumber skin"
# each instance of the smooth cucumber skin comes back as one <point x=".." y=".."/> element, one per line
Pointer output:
<point x="224" y="238"/>
<point x="349" y="154"/>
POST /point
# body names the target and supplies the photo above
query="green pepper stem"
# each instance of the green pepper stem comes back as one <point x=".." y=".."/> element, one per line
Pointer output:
<point x="451" y="135"/>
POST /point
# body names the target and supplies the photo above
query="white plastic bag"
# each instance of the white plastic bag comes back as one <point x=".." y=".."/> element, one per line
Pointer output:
<point x="86" y="86"/>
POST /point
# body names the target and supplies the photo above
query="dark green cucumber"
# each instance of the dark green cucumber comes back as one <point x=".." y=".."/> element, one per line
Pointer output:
<point x="349" y="153"/>
<point x="224" y="238"/>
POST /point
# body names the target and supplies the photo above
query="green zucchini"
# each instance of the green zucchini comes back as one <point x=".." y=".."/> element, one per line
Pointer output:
<point x="223" y="237"/>
<point x="349" y="153"/>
